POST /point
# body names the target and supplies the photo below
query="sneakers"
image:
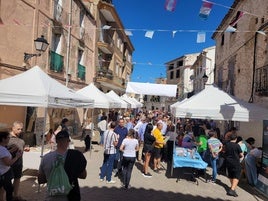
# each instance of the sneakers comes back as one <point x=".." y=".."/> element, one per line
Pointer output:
<point x="125" y="187"/>
<point x="232" y="193"/>
<point x="111" y="182"/>
<point x="101" y="180"/>
<point x="148" y="175"/>
<point x="211" y="181"/>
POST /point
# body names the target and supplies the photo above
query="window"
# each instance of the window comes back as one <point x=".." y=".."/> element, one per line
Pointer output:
<point x="222" y="39"/>
<point x="81" y="70"/>
<point x="171" y="75"/>
<point x="117" y="69"/>
<point x="262" y="81"/>
<point x="177" y="73"/>
<point x="55" y="45"/>
<point x="171" y="66"/>
<point x="81" y="73"/>
<point x="56" y="62"/>
<point x="180" y="63"/>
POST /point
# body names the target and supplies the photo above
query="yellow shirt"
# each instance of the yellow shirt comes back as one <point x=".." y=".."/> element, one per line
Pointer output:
<point x="158" y="138"/>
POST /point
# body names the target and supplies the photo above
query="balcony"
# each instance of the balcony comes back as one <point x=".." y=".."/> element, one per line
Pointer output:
<point x="104" y="73"/>
<point x="81" y="72"/>
<point x="106" y="44"/>
<point x="107" y="10"/>
<point x="56" y="62"/>
<point x="119" y="81"/>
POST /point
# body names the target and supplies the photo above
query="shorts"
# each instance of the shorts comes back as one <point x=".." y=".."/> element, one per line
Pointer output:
<point x="157" y="152"/>
<point x="234" y="172"/>
<point x="16" y="171"/>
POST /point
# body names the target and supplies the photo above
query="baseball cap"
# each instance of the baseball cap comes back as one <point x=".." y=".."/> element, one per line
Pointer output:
<point x="62" y="134"/>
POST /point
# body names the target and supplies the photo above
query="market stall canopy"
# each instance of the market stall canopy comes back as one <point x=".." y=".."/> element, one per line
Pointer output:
<point x="213" y="103"/>
<point x="37" y="89"/>
<point x="113" y="95"/>
<point x="152" y="89"/>
<point x="129" y="100"/>
<point x="137" y="102"/>
<point x="175" y="105"/>
<point x="101" y="100"/>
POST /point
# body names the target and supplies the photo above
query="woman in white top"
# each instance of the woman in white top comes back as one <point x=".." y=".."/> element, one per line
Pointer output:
<point x="6" y="161"/>
<point x="129" y="147"/>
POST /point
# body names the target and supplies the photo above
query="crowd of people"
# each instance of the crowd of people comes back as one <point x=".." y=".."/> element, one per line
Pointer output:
<point x="147" y="137"/>
<point x="224" y="152"/>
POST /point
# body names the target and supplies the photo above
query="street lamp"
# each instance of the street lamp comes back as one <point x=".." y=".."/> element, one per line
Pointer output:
<point x="40" y="44"/>
<point x="205" y="78"/>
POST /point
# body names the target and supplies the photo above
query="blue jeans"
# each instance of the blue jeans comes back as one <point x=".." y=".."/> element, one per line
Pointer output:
<point x="101" y="137"/>
<point x="107" y="166"/>
<point x="118" y="160"/>
<point x="213" y="162"/>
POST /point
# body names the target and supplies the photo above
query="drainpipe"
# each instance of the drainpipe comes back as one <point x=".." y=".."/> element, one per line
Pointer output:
<point x="251" y="99"/>
<point x="68" y="42"/>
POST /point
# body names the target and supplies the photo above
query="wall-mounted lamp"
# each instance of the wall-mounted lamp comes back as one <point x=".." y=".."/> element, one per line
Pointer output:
<point x="40" y="44"/>
<point x="205" y="78"/>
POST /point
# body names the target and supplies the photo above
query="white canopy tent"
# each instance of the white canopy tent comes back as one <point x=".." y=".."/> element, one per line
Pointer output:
<point x="101" y="100"/>
<point x="152" y="89"/>
<point x="130" y="101"/>
<point x="114" y="96"/>
<point x="36" y="89"/>
<point x="174" y="106"/>
<point x="213" y="103"/>
<point x="137" y="102"/>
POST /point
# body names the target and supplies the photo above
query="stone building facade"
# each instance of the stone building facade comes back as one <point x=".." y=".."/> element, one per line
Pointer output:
<point x="179" y="72"/>
<point x="242" y="59"/>
<point x="81" y="48"/>
<point x="204" y="65"/>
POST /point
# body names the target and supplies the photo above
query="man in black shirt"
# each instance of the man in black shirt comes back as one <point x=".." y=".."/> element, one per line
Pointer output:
<point x="233" y="154"/>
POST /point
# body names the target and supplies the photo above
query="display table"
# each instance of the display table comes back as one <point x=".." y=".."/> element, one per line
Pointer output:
<point x="32" y="158"/>
<point x="183" y="157"/>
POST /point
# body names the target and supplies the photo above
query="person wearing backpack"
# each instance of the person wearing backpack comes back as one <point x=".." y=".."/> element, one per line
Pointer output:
<point x="70" y="157"/>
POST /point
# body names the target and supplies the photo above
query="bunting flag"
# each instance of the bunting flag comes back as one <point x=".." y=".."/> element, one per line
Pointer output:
<point x="232" y="26"/>
<point x="106" y="27"/>
<point x="149" y="34"/>
<point x="173" y="33"/>
<point x="170" y="5"/>
<point x="201" y="37"/>
<point x="230" y="29"/>
<point x="128" y="33"/>
<point x="205" y="10"/>
<point x="262" y="32"/>
<point x="238" y="16"/>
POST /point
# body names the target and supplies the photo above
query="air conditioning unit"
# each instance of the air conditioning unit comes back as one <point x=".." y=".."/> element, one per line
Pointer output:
<point x="82" y="33"/>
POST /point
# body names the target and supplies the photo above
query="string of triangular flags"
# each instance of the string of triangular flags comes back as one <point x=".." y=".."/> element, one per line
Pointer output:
<point x="170" y="5"/>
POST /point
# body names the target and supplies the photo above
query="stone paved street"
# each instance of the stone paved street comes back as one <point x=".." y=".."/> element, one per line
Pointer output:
<point x="158" y="188"/>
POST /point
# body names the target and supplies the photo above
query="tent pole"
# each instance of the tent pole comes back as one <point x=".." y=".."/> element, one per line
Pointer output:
<point x="174" y="145"/>
<point x="43" y="136"/>
<point x="43" y="141"/>
<point x="92" y="114"/>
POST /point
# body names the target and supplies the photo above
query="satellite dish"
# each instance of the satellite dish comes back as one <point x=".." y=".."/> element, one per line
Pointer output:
<point x="192" y="77"/>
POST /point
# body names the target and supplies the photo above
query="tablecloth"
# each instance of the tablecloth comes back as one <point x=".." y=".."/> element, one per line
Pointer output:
<point x="183" y="158"/>
<point x="32" y="159"/>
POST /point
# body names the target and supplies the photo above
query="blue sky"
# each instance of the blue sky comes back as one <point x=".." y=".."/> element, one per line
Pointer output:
<point x="150" y="55"/>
